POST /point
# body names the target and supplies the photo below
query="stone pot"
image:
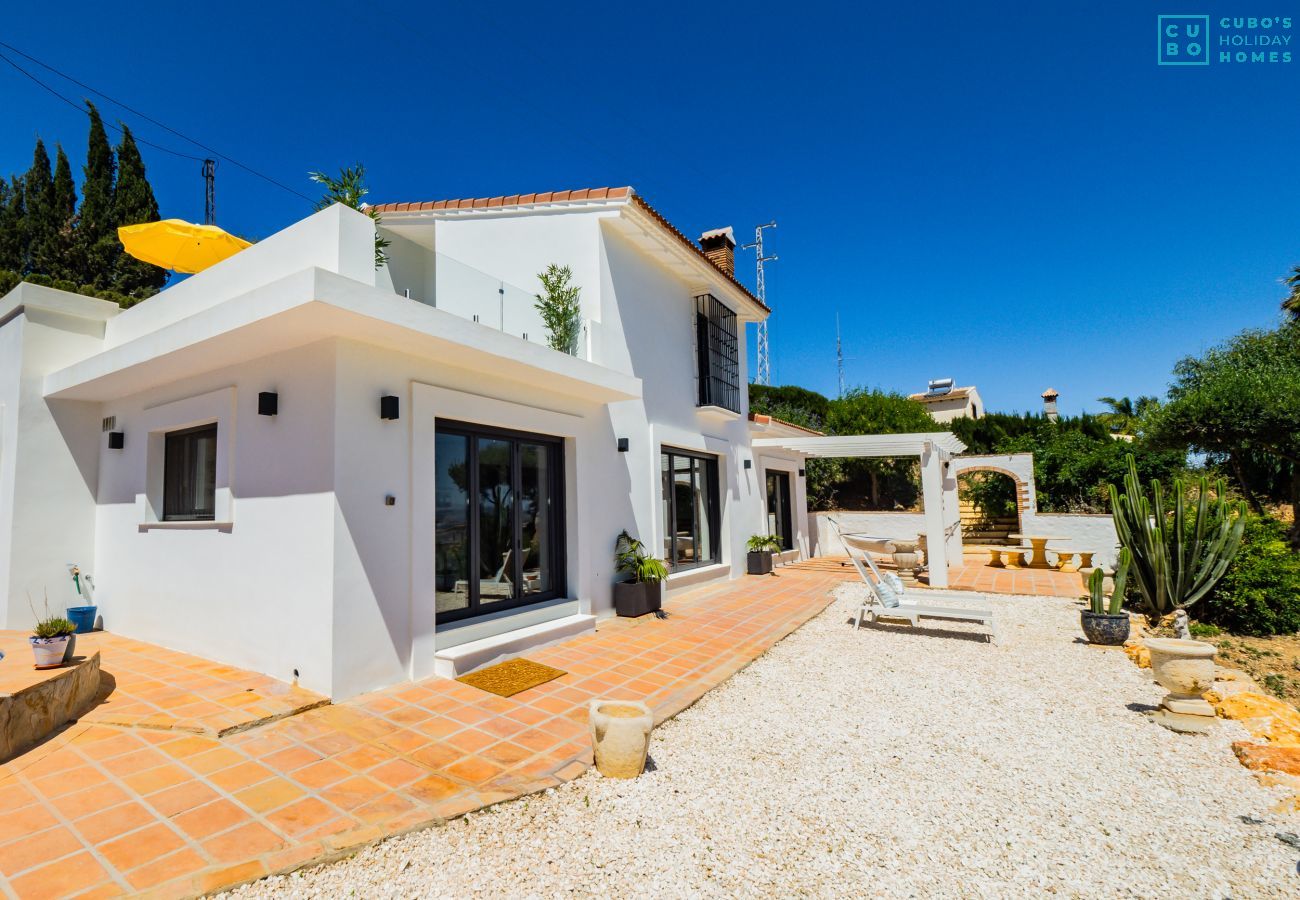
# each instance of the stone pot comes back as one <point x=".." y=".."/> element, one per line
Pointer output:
<point x="620" y="736"/>
<point x="1186" y="670"/>
<point x="71" y="650"/>
<point x="1103" y="628"/>
<point x="49" y="651"/>
<point x="906" y="557"/>
<point x="636" y="598"/>
<point x="759" y="562"/>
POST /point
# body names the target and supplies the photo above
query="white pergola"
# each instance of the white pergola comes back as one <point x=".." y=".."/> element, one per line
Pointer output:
<point x="938" y="483"/>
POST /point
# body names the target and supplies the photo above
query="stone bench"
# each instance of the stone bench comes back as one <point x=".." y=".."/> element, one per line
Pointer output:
<point x="1007" y="557"/>
<point x="1064" y="558"/>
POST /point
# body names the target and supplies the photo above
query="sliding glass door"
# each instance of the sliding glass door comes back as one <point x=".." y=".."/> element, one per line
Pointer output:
<point x="498" y="529"/>
<point x="690" y="509"/>
<point x="778" y="508"/>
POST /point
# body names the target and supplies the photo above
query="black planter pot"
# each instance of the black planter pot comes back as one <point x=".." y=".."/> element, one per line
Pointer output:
<point x="636" y="598"/>
<point x="1101" y="628"/>
<point x="759" y="562"/>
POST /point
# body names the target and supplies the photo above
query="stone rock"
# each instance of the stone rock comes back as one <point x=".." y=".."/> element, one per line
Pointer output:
<point x="1223" y="689"/>
<point x="1270" y="757"/>
<point x="1140" y="655"/>
<point x="1274" y="720"/>
<point x="1223" y="673"/>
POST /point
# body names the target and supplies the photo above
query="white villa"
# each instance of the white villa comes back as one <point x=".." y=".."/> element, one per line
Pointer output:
<point x="299" y="464"/>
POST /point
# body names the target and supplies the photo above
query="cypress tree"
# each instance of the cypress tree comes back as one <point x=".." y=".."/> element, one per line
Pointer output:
<point x="56" y="255"/>
<point x="96" y="234"/>
<point x="13" y="213"/>
<point x="40" y="219"/>
<point x="133" y="203"/>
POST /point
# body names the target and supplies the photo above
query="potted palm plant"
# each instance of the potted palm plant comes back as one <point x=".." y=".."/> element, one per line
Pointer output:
<point x="1104" y="623"/>
<point x="758" y="561"/>
<point x="642" y="591"/>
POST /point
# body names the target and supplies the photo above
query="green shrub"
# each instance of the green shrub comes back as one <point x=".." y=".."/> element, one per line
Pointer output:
<point x="1260" y="594"/>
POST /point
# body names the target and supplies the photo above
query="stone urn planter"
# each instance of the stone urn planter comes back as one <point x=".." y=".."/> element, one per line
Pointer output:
<point x="1186" y="670"/>
<point x="48" y="651"/>
<point x="620" y="736"/>
<point x="1103" y="628"/>
<point x="906" y="557"/>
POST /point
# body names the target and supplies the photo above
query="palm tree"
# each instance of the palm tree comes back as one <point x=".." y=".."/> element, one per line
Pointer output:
<point x="349" y="188"/>
<point x="1292" y="304"/>
<point x="1126" y="415"/>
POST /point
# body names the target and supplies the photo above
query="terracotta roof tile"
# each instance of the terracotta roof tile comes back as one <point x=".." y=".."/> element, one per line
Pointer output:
<point x="604" y="193"/>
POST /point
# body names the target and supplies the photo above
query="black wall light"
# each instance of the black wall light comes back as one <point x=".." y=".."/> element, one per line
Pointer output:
<point x="749" y="464"/>
<point x="801" y="473"/>
<point x="116" y="440"/>
<point x="268" y="403"/>
<point x="622" y="445"/>
<point x="388" y="407"/>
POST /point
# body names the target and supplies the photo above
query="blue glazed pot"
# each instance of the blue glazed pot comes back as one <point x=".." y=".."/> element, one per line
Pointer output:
<point x="83" y="617"/>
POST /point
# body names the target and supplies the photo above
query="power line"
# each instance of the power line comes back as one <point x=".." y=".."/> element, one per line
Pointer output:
<point x="147" y="118"/>
<point x="85" y="111"/>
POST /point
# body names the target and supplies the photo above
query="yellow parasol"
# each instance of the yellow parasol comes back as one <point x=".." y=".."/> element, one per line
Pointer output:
<point x="179" y="245"/>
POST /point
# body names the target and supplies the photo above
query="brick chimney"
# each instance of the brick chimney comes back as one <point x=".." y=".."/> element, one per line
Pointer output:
<point x="719" y="245"/>
<point x="1049" y="404"/>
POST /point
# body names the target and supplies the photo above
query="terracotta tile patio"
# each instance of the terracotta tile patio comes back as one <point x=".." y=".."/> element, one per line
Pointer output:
<point x="164" y="804"/>
<point x="975" y="576"/>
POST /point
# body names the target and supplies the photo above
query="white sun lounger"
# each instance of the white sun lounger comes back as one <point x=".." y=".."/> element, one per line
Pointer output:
<point x="875" y="608"/>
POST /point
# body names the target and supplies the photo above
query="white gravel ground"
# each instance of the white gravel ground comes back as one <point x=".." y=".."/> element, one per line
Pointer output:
<point x="882" y="762"/>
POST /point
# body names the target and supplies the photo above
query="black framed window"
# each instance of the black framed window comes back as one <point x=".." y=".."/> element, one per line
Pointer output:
<point x="778" y="508"/>
<point x="498" y="519"/>
<point x="717" y="354"/>
<point x="190" y="475"/>
<point x="690" y="509"/>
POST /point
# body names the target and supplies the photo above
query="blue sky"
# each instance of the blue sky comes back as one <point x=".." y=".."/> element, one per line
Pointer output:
<point x="1014" y="195"/>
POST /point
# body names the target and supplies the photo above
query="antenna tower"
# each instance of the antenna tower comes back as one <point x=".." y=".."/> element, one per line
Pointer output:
<point x="764" y="373"/>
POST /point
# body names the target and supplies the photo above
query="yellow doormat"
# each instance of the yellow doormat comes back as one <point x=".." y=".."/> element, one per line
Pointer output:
<point x="510" y="677"/>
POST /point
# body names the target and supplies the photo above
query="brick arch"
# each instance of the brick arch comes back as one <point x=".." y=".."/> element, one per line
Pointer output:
<point x="1019" y="467"/>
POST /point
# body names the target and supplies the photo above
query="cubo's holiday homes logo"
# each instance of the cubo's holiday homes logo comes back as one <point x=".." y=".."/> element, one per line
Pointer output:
<point x="1186" y="40"/>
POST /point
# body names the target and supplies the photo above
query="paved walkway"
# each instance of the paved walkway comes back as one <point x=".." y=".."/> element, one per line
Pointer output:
<point x="974" y="576"/>
<point x="168" y="806"/>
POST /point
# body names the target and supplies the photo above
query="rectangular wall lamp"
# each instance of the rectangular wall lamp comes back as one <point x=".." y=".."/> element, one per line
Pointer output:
<point x="116" y="440"/>
<point x="622" y="445"/>
<point x="388" y="407"/>
<point x="268" y="403"/>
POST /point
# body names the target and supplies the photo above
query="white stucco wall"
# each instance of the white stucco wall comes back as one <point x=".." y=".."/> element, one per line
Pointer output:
<point x="1081" y="532"/>
<point x="255" y="589"/>
<point x="48" y="465"/>
<point x="903" y="525"/>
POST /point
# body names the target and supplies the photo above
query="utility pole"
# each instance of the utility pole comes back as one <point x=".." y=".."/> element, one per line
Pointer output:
<point x="764" y="373"/>
<point x="209" y="192"/>
<point x="839" y="353"/>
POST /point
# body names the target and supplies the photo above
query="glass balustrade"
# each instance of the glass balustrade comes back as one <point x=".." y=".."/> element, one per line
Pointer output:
<point x="455" y="287"/>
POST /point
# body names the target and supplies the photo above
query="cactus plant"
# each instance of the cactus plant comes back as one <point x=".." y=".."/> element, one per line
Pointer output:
<point x="1177" y="556"/>
<point x="1096" y="586"/>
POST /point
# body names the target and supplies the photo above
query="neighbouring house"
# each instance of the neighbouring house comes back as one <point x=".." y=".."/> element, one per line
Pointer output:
<point x="945" y="402"/>
<point x="300" y="464"/>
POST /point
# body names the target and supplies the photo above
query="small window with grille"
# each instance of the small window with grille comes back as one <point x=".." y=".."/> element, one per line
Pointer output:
<point x="717" y="353"/>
